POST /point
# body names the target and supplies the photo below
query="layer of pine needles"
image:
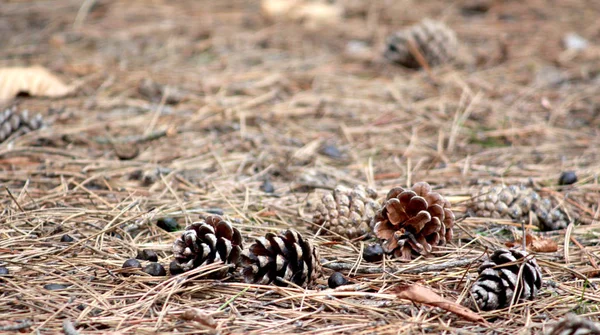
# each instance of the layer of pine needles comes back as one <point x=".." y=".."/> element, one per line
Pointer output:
<point x="260" y="101"/>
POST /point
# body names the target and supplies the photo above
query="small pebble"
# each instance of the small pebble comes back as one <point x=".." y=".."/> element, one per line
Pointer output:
<point x="373" y="253"/>
<point x="155" y="269"/>
<point x="147" y="255"/>
<point x="267" y="186"/>
<point x="175" y="268"/>
<point x="3" y="271"/>
<point x="131" y="264"/>
<point x="167" y="224"/>
<point x="336" y="280"/>
<point x="66" y="238"/>
<point x="55" y="287"/>
<point x="567" y="178"/>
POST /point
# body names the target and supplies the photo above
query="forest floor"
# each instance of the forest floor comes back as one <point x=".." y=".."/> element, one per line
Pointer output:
<point x="191" y="107"/>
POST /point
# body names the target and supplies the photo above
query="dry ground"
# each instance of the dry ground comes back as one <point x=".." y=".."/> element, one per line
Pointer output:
<point x="251" y="100"/>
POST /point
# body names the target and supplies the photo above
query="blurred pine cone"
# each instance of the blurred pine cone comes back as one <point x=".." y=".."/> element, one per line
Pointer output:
<point x="287" y="255"/>
<point x="573" y="324"/>
<point x="413" y="221"/>
<point x="347" y="212"/>
<point x="210" y="240"/>
<point x="11" y="122"/>
<point x="499" y="278"/>
<point x="517" y="202"/>
<point x="433" y="40"/>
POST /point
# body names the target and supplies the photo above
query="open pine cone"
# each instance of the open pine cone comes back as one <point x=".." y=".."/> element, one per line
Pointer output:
<point x="347" y="212"/>
<point x="210" y="240"/>
<point x="287" y="256"/>
<point x="517" y="203"/>
<point x="499" y="278"/>
<point x="413" y="221"/>
<point x="432" y="40"/>
<point x="572" y="324"/>
<point x="12" y="121"/>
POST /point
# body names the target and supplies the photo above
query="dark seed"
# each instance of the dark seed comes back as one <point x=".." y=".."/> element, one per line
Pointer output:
<point x="3" y="271"/>
<point x="331" y="151"/>
<point x="168" y="224"/>
<point x="155" y="269"/>
<point x="567" y="178"/>
<point x="131" y="264"/>
<point x="54" y="287"/>
<point x="147" y="255"/>
<point x="175" y="268"/>
<point x="267" y="187"/>
<point x="373" y="253"/>
<point x="66" y="238"/>
<point x="336" y="280"/>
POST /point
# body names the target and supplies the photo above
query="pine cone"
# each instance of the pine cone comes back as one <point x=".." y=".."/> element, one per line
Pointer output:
<point x="286" y="255"/>
<point x="12" y="122"/>
<point x="210" y="240"/>
<point x="517" y="202"/>
<point x="499" y="276"/>
<point x="347" y="212"/>
<point x="413" y="221"/>
<point x="573" y="324"/>
<point x="433" y="40"/>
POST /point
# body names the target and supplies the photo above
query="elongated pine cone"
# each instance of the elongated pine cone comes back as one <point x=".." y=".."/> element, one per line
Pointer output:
<point x="499" y="280"/>
<point x="413" y="221"/>
<point x="288" y="256"/>
<point x="347" y="212"/>
<point x="517" y="203"/>
<point x="572" y="324"/>
<point x="204" y="242"/>
<point x="433" y="40"/>
<point x="11" y="122"/>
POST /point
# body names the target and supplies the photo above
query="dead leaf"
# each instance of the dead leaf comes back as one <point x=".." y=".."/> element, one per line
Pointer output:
<point x="35" y="81"/>
<point x="200" y="317"/>
<point x="423" y="295"/>
<point x="544" y="245"/>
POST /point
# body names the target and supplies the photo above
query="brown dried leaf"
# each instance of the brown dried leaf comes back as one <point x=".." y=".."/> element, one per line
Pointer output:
<point x="544" y="245"/>
<point x="35" y="81"/>
<point x="528" y="239"/>
<point x="423" y="295"/>
<point x="200" y="317"/>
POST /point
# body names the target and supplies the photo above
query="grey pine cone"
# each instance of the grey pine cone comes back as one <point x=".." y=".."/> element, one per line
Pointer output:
<point x="204" y="242"/>
<point x="516" y="203"/>
<point x="12" y="121"/>
<point x="573" y="324"/>
<point x="347" y="212"/>
<point x="498" y="280"/>
<point x="432" y="39"/>
<point x="288" y="256"/>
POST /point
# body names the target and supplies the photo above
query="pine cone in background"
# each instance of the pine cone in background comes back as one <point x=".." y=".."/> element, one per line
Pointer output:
<point x="413" y="221"/>
<point x="573" y="324"/>
<point x="210" y="240"/>
<point x="347" y="212"/>
<point x="499" y="278"/>
<point x="12" y="122"/>
<point x="517" y="202"/>
<point x="432" y="40"/>
<point x="287" y="255"/>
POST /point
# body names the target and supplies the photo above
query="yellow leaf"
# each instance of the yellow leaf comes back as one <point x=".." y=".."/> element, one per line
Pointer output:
<point x="35" y="81"/>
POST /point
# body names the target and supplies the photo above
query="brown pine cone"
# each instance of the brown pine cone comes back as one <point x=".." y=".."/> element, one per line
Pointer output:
<point x="573" y="324"/>
<point x="210" y="240"/>
<point x="287" y="256"/>
<point x="11" y="122"/>
<point x="499" y="278"/>
<point x="347" y="212"/>
<point x="517" y="203"/>
<point x="432" y="40"/>
<point x="413" y="221"/>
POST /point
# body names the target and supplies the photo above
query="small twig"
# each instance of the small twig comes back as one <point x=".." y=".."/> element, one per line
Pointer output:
<point x="232" y="299"/>
<point x="24" y="324"/>
<point x="426" y="268"/>
<point x="69" y="328"/>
